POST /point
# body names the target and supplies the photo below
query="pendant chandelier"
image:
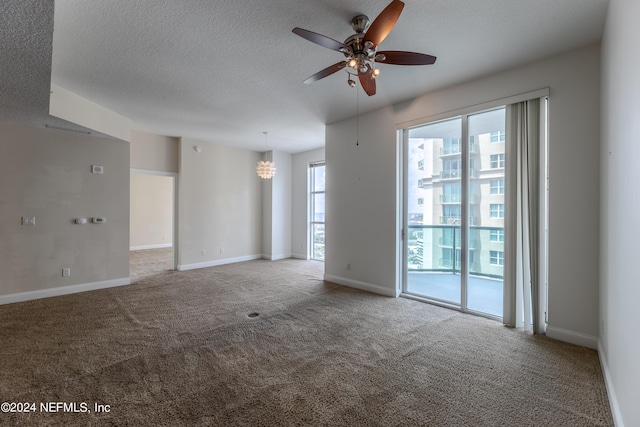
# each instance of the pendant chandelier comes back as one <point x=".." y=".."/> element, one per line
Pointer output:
<point x="265" y="168"/>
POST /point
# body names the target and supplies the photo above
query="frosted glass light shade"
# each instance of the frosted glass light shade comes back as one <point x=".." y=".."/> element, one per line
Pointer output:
<point x="266" y="169"/>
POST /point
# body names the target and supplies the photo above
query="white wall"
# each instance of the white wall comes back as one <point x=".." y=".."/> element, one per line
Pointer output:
<point x="47" y="174"/>
<point x="300" y="201"/>
<point x="277" y="209"/>
<point x="620" y="210"/>
<point x="361" y="190"/>
<point x="76" y="109"/>
<point x="151" y="220"/>
<point x="154" y="152"/>
<point x="220" y="205"/>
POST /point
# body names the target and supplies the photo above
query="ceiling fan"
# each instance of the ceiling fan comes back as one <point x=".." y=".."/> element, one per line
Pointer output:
<point x="361" y="49"/>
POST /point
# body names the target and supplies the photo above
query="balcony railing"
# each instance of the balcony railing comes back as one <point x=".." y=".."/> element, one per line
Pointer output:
<point x="457" y="173"/>
<point x="435" y="248"/>
<point x="447" y="241"/>
<point x="455" y="220"/>
<point x="455" y="198"/>
<point x="457" y="149"/>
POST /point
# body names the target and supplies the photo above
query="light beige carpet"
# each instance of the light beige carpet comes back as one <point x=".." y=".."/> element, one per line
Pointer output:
<point x="180" y="348"/>
<point x="148" y="262"/>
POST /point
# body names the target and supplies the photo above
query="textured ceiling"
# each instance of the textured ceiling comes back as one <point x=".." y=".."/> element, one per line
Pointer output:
<point x="225" y="71"/>
<point x="26" y="36"/>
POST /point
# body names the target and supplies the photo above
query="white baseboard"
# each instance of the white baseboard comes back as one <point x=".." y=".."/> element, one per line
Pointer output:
<point x="216" y="262"/>
<point x="299" y="256"/>
<point x="572" y="337"/>
<point x="63" y="290"/>
<point x="276" y="257"/>
<point x="376" y="289"/>
<point x="158" y="246"/>
<point x="613" y="401"/>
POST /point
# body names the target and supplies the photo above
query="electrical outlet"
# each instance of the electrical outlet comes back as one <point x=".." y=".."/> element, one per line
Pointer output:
<point x="28" y="220"/>
<point x="349" y="266"/>
<point x="221" y="250"/>
<point x="203" y="252"/>
<point x="66" y="272"/>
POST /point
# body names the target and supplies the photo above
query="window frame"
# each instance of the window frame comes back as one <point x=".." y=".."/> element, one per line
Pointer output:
<point x="498" y="256"/>
<point x="499" y="161"/>
<point x="312" y="209"/>
<point x="496" y="211"/>
<point x="496" y="186"/>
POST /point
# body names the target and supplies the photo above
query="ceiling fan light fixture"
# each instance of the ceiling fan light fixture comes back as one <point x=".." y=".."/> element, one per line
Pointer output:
<point x="360" y="49"/>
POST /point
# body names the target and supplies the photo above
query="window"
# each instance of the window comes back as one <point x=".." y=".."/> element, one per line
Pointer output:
<point x="496" y="210"/>
<point x="451" y="169"/>
<point x="420" y="201"/>
<point x="497" y="161"/>
<point x="496" y="235"/>
<point x="316" y="195"/>
<point x="451" y="193"/>
<point x="451" y="146"/>
<point x="497" y="136"/>
<point x="450" y="214"/>
<point x="496" y="258"/>
<point x="497" y="186"/>
<point x="421" y="165"/>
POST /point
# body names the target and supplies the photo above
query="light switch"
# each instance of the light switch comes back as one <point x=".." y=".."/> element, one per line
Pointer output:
<point x="97" y="169"/>
<point x="99" y="220"/>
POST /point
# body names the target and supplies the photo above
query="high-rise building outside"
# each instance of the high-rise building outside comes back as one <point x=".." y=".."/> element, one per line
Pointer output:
<point x="435" y="217"/>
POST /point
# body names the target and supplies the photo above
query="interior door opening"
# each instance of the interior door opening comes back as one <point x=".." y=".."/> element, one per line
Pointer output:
<point x="153" y="223"/>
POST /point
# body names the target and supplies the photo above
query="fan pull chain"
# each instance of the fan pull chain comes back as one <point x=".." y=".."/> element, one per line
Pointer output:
<point x="357" y="117"/>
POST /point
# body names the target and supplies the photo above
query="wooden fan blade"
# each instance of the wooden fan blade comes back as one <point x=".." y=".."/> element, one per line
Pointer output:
<point x="383" y="24"/>
<point x="368" y="83"/>
<point x="326" y="72"/>
<point x="324" y="41"/>
<point x="399" y="57"/>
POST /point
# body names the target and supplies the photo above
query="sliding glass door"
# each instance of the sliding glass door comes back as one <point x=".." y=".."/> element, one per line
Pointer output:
<point x="433" y="214"/>
<point x="454" y="212"/>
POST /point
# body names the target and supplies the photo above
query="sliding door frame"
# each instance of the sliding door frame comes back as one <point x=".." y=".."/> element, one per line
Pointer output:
<point x="402" y="136"/>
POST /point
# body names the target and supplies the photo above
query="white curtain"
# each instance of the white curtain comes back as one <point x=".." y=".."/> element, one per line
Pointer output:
<point x="523" y="288"/>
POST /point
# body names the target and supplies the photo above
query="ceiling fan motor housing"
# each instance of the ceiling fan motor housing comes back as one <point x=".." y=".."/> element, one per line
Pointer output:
<point x="360" y="23"/>
<point x="359" y="50"/>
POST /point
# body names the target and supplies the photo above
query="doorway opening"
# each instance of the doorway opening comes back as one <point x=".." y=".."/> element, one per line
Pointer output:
<point x="152" y="228"/>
